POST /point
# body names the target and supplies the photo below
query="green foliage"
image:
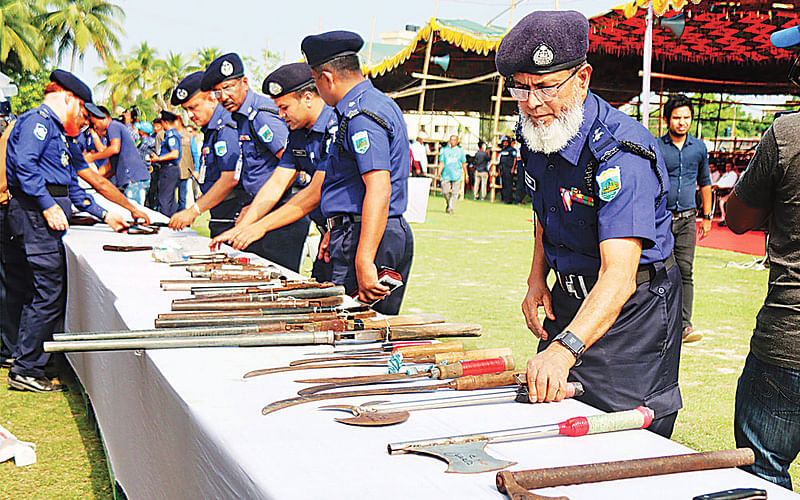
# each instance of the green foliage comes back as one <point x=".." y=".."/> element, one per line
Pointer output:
<point x="20" y="46"/>
<point x="30" y="91"/>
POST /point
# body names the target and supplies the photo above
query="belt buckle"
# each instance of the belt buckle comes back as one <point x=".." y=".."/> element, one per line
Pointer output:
<point x="574" y="284"/>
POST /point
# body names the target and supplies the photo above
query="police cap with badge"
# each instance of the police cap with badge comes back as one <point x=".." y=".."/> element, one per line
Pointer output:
<point x="544" y="42"/>
<point x="319" y="49"/>
<point x="224" y="68"/>
<point x="168" y="116"/>
<point x="286" y="79"/>
<point x="72" y="83"/>
<point x="187" y="88"/>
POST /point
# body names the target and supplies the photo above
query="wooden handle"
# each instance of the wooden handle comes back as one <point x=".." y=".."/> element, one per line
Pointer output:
<point x="471" y="383"/>
<point x="624" y="469"/>
<point x="476" y="367"/>
<point x="403" y="320"/>
<point x="417" y="351"/>
<point x="417" y="332"/>
<point x="476" y="354"/>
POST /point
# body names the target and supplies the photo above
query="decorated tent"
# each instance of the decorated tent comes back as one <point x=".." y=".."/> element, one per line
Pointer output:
<point x="724" y="47"/>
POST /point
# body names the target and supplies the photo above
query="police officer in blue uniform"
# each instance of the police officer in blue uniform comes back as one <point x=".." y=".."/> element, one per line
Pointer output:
<point x="507" y="160"/>
<point x="262" y="141"/>
<point x="599" y="184"/>
<point x="362" y="189"/>
<point x="43" y="183"/>
<point x="310" y="122"/>
<point x="167" y="163"/>
<point x="219" y="157"/>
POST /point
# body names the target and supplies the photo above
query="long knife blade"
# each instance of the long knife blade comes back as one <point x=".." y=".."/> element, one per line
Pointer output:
<point x="467" y="383"/>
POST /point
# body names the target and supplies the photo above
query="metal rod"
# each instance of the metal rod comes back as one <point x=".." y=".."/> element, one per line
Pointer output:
<point x="210" y="341"/>
<point x="430" y="404"/>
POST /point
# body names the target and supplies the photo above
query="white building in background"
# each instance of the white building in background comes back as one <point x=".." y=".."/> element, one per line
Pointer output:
<point x="439" y="127"/>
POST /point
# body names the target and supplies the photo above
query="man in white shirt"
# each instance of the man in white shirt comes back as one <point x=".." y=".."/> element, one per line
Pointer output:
<point x="723" y="187"/>
<point x="419" y="154"/>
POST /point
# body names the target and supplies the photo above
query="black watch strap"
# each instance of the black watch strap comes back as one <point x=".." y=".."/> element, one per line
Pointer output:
<point x="707" y="216"/>
<point x="571" y="341"/>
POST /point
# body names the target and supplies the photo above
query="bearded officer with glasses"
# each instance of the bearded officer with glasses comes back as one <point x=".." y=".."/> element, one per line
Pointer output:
<point x="599" y="185"/>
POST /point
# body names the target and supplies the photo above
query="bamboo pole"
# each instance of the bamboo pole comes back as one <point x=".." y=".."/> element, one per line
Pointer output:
<point x="425" y="66"/>
<point x="498" y="102"/>
<point x="647" y="60"/>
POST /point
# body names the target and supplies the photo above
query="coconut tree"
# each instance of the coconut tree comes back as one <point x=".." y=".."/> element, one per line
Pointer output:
<point x="205" y="57"/>
<point x="74" y="25"/>
<point x="19" y="37"/>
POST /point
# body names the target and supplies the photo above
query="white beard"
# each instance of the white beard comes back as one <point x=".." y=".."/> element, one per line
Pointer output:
<point x="551" y="138"/>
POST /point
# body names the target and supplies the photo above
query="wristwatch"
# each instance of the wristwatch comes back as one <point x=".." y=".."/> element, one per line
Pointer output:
<point x="103" y="215"/>
<point x="573" y="344"/>
<point x="707" y="216"/>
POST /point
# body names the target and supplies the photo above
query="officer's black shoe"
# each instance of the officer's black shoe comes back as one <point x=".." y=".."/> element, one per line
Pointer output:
<point x="34" y="384"/>
<point x="6" y="363"/>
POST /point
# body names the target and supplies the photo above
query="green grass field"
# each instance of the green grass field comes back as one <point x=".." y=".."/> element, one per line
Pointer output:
<point x="471" y="267"/>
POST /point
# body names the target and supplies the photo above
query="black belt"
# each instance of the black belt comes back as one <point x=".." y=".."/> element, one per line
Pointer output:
<point x="683" y="214"/>
<point x="341" y="220"/>
<point x="55" y="190"/>
<point x="579" y="285"/>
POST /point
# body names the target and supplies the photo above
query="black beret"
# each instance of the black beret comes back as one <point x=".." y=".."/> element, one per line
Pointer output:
<point x="70" y="82"/>
<point x="544" y="42"/>
<point x="223" y="68"/>
<point x="188" y="87"/>
<point x="287" y="78"/>
<point x="319" y="49"/>
<point x="168" y="116"/>
<point x="95" y="111"/>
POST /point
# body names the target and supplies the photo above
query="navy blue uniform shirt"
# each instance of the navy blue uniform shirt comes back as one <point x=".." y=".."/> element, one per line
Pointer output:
<point x="220" y="152"/>
<point x="367" y="146"/>
<point x="624" y="204"/>
<point x="306" y="147"/>
<point x="38" y="154"/>
<point x="687" y="168"/>
<point x="260" y="143"/>
<point x="507" y="156"/>
<point x="171" y="142"/>
<point x="127" y="164"/>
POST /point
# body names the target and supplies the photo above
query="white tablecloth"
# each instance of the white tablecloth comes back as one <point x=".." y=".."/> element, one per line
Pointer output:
<point x="183" y="423"/>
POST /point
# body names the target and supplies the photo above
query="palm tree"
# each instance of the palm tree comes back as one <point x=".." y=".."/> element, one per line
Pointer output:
<point x="205" y="57"/>
<point x="19" y="40"/>
<point x="76" y="24"/>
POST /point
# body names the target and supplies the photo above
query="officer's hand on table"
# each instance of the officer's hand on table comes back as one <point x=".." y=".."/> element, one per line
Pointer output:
<point x="139" y="215"/>
<point x="369" y="290"/>
<point x="182" y="219"/>
<point x="324" y="253"/>
<point x="537" y="296"/>
<point x="246" y="235"/>
<point x="225" y="237"/>
<point x="241" y="214"/>
<point x="705" y="228"/>
<point x="116" y="221"/>
<point x="55" y="218"/>
<point x="547" y="374"/>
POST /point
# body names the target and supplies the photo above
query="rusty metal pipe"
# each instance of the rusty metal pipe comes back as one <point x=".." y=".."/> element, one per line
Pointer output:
<point x="622" y="469"/>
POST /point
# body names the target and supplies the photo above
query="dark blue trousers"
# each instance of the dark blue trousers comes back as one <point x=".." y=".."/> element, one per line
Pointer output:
<point x="9" y="313"/>
<point x="395" y="251"/>
<point x="36" y="275"/>
<point x="168" y="178"/>
<point x="636" y="362"/>
<point x="284" y="246"/>
<point x="229" y="208"/>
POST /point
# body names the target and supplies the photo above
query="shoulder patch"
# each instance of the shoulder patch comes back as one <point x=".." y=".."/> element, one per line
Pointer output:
<point x="360" y="142"/>
<point x="265" y="133"/>
<point x="610" y="182"/>
<point x="40" y="131"/>
<point x="220" y="148"/>
<point x="172" y="142"/>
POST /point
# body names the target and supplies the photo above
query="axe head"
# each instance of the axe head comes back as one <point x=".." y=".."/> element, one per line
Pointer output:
<point x="464" y="458"/>
<point x="376" y="419"/>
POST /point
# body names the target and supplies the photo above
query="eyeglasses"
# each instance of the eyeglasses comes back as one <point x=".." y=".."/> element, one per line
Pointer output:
<point x="545" y="94"/>
<point x="217" y="94"/>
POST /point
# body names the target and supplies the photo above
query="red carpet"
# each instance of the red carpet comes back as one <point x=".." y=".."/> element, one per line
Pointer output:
<point x="722" y="238"/>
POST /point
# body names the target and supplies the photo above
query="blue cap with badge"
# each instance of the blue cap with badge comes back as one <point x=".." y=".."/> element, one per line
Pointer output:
<point x="72" y="83"/>
<point x="187" y="88"/>
<point x="223" y="68"/>
<point x="286" y="79"/>
<point x="544" y="42"/>
<point x="95" y="111"/>
<point x="319" y="49"/>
